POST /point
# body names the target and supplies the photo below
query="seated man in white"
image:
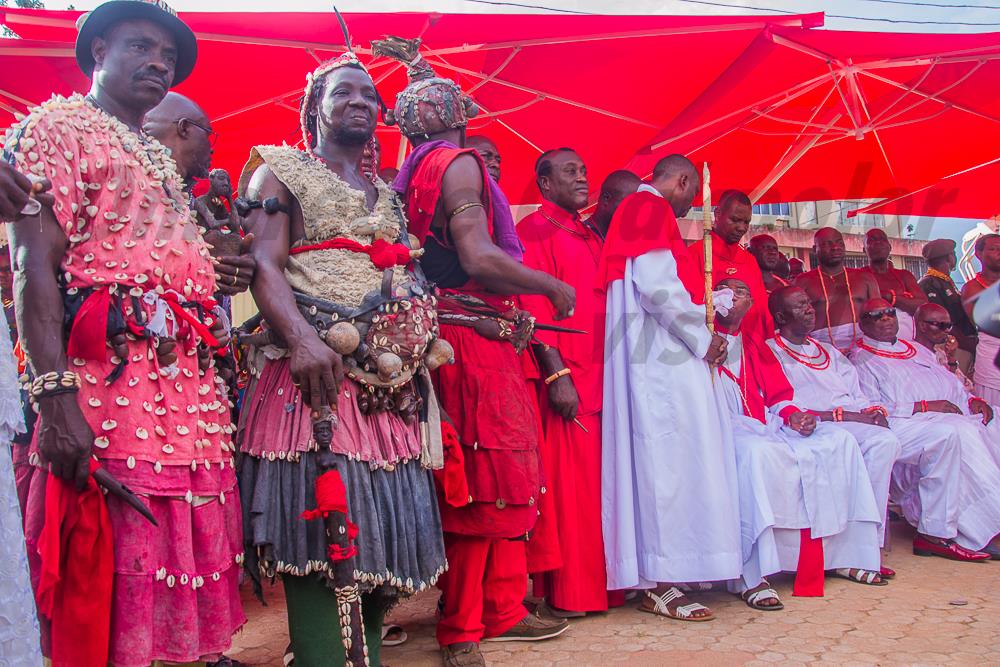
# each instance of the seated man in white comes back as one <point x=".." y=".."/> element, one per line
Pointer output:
<point x="955" y="520"/>
<point x="827" y="385"/>
<point x="794" y="474"/>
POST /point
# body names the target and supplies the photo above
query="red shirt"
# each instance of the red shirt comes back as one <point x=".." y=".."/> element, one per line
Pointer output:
<point x="560" y="244"/>
<point x="733" y="261"/>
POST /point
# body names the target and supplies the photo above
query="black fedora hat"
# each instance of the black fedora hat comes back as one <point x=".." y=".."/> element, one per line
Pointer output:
<point x="94" y="24"/>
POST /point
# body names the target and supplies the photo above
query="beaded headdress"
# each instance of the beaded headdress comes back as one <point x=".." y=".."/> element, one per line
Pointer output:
<point x="430" y="104"/>
<point x="348" y="59"/>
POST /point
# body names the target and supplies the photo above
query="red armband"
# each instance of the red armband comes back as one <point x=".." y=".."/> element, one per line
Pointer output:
<point x="876" y="408"/>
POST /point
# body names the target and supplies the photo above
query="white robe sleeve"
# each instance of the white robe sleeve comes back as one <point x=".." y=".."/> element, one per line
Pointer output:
<point x="871" y="387"/>
<point x="863" y="396"/>
<point x="664" y="297"/>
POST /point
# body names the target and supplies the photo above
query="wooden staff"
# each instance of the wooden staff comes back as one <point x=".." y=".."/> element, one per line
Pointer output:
<point x="706" y="214"/>
<point x="346" y="589"/>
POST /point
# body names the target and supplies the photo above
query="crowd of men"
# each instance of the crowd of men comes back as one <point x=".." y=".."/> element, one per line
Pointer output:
<point x="432" y="396"/>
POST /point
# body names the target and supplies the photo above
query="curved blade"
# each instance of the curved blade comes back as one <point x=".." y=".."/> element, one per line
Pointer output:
<point x="116" y="488"/>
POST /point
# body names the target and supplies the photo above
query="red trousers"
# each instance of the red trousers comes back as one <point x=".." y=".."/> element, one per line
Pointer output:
<point x="483" y="588"/>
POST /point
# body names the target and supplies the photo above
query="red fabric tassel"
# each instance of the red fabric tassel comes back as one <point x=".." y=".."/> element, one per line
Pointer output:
<point x="196" y="325"/>
<point x="451" y="479"/>
<point x="331" y="496"/>
<point x="384" y="255"/>
<point x="22" y="359"/>
<point x="77" y="572"/>
<point x="810" y="574"/>
<point x="89" y="336"/>
<point x="335" y="553"/>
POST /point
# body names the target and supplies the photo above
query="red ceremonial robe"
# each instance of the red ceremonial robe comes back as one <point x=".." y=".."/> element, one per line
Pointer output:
<point x="762" y="381"/>
<point x="644" y="222"/>
<point x="734" y="261"/>
<point x="487" y="397"/>
<point x="483" y="392"/>
<point x="542" y="548"/>
<point x="560" y="244"/>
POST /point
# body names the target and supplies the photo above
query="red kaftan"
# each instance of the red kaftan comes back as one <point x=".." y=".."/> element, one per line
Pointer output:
<point x="559" y="244"/>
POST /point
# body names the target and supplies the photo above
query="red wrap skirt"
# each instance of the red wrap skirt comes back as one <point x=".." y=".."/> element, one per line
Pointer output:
<point x="487" y="398"/>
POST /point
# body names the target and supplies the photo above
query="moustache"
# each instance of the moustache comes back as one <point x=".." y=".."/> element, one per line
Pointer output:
<point x="151" y="77"/>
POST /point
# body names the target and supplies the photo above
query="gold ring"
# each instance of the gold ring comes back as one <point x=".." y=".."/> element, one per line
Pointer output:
<point x="237" y="272"/>
<point x="234" y="281"/>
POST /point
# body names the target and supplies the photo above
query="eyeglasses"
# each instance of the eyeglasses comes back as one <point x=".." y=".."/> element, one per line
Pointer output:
<point x="879" y="314"/>
<point x="213" y="136"/>
<point x="940" y="326"/>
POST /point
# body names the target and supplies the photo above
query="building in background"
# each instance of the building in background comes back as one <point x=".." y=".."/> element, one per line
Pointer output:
<point x="793" y="226"/>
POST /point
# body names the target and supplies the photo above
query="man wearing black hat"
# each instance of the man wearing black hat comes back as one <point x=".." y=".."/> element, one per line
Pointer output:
<point x="114" y="288"/>
<point x="940" y="289"/>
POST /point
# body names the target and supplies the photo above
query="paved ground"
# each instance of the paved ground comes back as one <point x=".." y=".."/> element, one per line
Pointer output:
<point x="935" y="612"/>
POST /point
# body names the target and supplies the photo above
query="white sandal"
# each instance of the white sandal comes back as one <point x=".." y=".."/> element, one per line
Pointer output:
<point x="867" y="577"/>
<point x="754" y="599"/>
<point x="681" y="613"/>
<point x="700" y="587"/>
<point x="397" y="630"/>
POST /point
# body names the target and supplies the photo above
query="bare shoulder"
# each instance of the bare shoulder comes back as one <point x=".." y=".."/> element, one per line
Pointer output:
<point x="906" y="277"/>
<point x="465" y="170"/>
<point x="865" y="276"/>
<point x="807" y="280"/>
<point x="462" y="183"/>
<point x="264" y="183"/>
<point x="971" y="289"/>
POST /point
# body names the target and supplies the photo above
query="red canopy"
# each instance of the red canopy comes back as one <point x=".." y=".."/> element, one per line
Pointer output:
<point x="602" y="84"/>
<point x="780" y="110"/>
<point x="816" y="115"/>
<point x="968" y="194"/>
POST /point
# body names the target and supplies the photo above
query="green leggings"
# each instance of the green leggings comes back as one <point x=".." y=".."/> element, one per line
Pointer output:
<point x="314" y="626"/>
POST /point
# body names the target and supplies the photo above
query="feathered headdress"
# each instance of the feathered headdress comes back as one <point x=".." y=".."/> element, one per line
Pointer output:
<point x="348" y="59"/>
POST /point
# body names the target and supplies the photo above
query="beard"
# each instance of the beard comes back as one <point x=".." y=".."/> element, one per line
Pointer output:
<point x="352" y="137"/>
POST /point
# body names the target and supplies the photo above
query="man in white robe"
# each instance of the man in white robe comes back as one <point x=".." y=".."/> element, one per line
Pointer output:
<point x="913" y="387"/>
<point x="827" y="384"/>
<point x="794" y="473"/>
<point x="670" y="508"/>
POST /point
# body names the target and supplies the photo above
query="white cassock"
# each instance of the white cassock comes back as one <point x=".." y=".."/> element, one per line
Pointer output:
<point x="669" y="499"/>
<point x="966" y="509"/>
<point x="789" y="482"/>
<point x="837" y="385"/>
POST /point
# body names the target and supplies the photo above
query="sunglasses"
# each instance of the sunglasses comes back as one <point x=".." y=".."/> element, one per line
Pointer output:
<point x="879" y="314"/>
<point x="940" y="326"/>
<point x="213" y="136"/>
